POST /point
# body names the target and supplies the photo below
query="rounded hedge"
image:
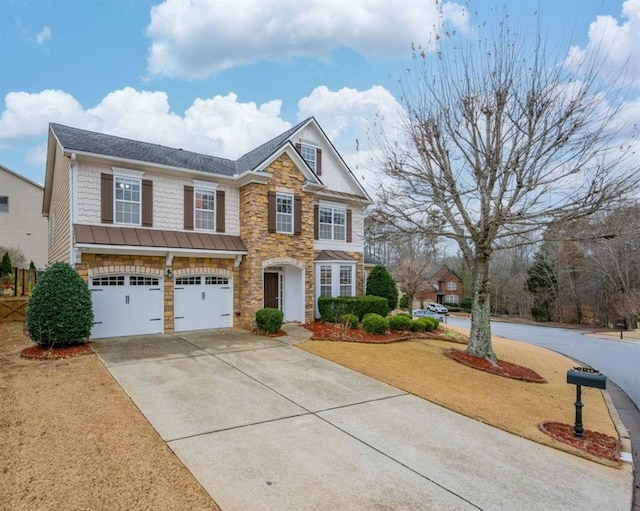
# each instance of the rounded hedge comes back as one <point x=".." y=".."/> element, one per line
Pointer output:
<point x="403" y="303"/>
<point x="375" y="324"/>
<point x="350" y="321"/>
<point x="417" y="326"/>
<point x="430" y="324"/>
<point x="381" y="283"/>
<point x="400" y="323"/>
<point x="59" y="312"/>
<point x="269" y="320"/>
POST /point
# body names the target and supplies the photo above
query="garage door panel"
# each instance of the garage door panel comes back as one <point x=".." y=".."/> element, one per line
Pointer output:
<point x="202" y="302"/>
<point x="126" y="305"/>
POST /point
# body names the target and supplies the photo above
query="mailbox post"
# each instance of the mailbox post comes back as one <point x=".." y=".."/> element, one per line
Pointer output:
<point x="588" y="377"/>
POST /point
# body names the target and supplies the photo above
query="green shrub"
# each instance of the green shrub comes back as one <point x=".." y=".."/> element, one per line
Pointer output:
<point x="405" y="314"/>
<point x="429" y="323"/>
<point x="400" y="323"/>
<point x="453" y="307"/>
<point x="466" y="304"/>
<point x="417" y="325"/>
<point x="375" y="324"/>
<point x="59" y="312"/>
<point x="381" y="283"/>
<point x="332" y="308"/>
<point x="350" y="321"/>
<point x="269" y="320"/>
<point x="404" y="302"/>
<point x="5" y="266"/>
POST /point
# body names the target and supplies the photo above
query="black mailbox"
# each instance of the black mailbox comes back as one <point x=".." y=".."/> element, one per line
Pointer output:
<point x="587" y="377"/>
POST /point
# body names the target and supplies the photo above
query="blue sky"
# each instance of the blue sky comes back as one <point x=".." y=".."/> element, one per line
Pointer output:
<point x="223" y="76"/>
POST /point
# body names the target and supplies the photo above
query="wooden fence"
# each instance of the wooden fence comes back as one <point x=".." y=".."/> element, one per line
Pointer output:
<point x="13" y="308"/>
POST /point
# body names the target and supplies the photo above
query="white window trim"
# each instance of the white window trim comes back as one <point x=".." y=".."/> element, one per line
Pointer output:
<point x="120" y="172"/>
<point x="456" y="301"/>
<point x="451" y="285"/>
<point x="204" y="184"/>
<point x="315" y="158"/>
<point x="333" y="224"/>
<point x="133" y="178"/>
<point x="293" y="205"/>
<point x="335" y="276"/>
<point x="209" y="189"/>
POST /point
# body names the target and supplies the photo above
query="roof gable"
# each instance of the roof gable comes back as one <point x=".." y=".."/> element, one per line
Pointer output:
<point x="15" y="174"/>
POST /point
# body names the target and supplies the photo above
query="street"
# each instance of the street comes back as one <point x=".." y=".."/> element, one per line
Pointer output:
<point x="618" y="360"/>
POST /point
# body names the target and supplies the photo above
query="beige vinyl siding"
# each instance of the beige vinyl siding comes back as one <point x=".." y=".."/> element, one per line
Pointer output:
<point x="59" y="209"/>
<point x="23" y="226"/>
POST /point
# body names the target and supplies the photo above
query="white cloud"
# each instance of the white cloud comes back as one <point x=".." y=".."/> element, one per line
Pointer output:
<point x="196" y="39"/>
<point x="612" y="47"/>
<point x="44" y="35"/>
<point x="221" y="126"/>
<point x="350" y="117"/>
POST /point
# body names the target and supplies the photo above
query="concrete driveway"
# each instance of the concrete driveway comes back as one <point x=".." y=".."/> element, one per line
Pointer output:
<point x="265" y="426"/>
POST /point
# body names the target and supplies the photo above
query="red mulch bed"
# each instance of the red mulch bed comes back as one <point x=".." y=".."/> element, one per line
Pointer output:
<point x="597" y="444"/>
<point x="335" y="332"/>
<point x="505" y="369"/>
<point x="38" y="353"/>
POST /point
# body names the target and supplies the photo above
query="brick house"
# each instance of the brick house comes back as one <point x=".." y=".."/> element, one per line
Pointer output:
<point x="443" y="286"/>
<point x="169" y="240"/>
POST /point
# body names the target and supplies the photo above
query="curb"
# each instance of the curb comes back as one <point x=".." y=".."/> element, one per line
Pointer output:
<point x="626" y="455"/>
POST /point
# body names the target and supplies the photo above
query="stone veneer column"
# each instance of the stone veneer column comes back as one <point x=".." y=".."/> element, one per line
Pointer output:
<point x="263" y="245"/>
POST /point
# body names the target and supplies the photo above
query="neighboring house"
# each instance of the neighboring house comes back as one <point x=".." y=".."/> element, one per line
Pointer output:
<point x="21" y="222"/>
<point x="443" y="286"/>
<point x="170" y="240"/>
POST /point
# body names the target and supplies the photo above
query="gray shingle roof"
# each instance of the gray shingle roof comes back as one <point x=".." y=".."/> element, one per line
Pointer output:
<point x="74" y="139"/>
<point x="254" y="157"/>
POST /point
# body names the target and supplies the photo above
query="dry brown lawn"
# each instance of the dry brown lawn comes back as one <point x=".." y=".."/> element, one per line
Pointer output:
<point x="420" y="367"/>
<point x="70" y="439"/>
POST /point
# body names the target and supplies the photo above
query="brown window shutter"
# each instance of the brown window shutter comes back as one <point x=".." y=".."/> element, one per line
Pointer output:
<point x="271" y="221"/>
<point x="349" y="222"/>
<point x="319" y="162"/>
<point x="316" y="220"/>
<point x="297" y="215"/>
<point x="147" y="203"/>
<point x="106" y="198"/>
<point x="219" y="211"/>
<point x="188" y="207"/>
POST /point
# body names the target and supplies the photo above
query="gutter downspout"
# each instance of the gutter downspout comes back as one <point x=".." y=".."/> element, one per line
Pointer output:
<point x="72" y="170"/>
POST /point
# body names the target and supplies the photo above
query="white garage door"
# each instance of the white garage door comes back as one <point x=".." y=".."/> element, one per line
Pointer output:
<point x="126" y="305"/>
<point x="203" y="301"/>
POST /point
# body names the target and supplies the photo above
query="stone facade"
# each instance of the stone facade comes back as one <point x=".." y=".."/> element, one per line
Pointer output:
<point x="100" y="264"/>
<point x="276" y="248"/>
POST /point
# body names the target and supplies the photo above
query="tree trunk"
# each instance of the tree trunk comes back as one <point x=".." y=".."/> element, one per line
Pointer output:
<point x="480" y="334"/>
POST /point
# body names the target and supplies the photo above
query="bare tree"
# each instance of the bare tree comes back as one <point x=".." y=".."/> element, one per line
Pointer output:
<point x="412" y="268"/>
<point x="497" y="142"/>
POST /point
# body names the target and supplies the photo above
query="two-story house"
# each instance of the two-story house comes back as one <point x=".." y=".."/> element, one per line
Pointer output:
<point x="21" y="224"/>
<point x="170" y="240"/>
<point x="443" y="286"/>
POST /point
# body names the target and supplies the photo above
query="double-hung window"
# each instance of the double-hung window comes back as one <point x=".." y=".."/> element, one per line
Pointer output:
<point x="127" y="200"/>
<point x="451" y="286"/>
<point x="284" y="212"/>
<point x="325" y="280"/>
<point x="310" y="155"/>
<point x="4" y="204"/>
<point x="332" y="223"/>
<point x="346" y="280"/>
<point x="205" y="209"/>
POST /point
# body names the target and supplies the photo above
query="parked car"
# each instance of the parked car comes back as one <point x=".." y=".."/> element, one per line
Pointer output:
<point x="440" y="309"/>
<point x="423" y="313"/>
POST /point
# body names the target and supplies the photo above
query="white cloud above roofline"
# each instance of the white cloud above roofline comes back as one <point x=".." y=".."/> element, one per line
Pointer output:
<point x="199" y="39"/>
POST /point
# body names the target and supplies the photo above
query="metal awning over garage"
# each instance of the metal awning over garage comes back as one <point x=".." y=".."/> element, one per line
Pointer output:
<point x="136" y="237"/>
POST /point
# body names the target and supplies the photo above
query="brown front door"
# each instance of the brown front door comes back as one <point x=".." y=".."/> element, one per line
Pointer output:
<point x="271" y="281"/>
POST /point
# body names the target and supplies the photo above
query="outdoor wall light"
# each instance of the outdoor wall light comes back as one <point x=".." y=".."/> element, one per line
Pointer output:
<point x="169" y="273"/>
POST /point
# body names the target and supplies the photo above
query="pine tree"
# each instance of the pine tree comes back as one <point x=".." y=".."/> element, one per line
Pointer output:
<point x="381" y="283"/>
